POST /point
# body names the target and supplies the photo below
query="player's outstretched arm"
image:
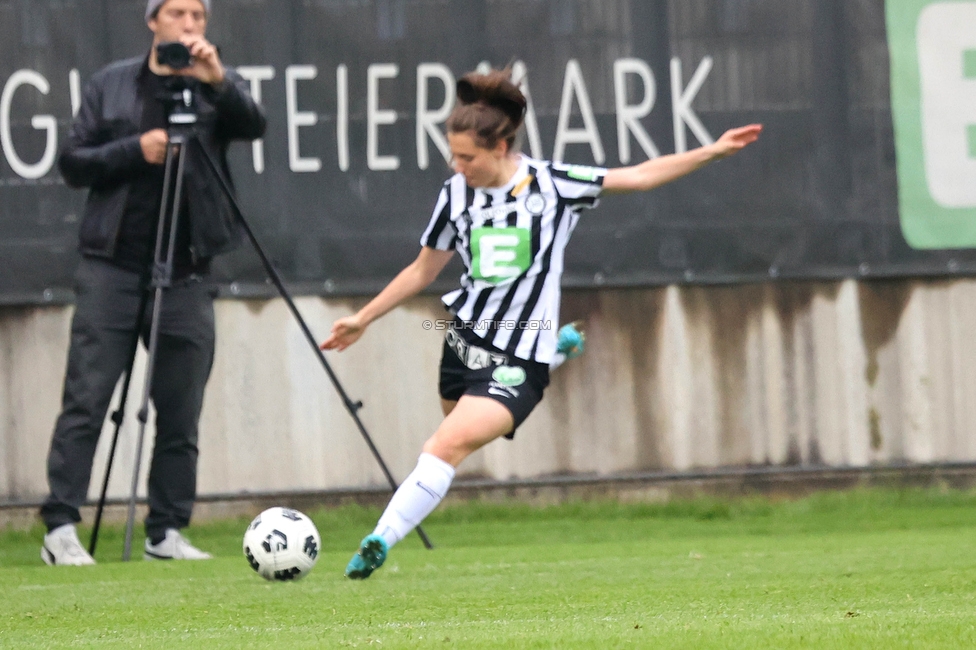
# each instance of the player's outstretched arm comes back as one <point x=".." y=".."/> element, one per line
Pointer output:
<point x="409" y="282"/>
<point x="664" y="169"/>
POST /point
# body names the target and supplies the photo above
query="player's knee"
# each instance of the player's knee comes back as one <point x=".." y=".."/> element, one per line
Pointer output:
<point x="436" y="446"/>
<point x="450" y="449"/>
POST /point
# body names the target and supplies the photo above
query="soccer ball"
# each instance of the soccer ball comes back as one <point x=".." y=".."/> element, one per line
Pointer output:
<point x="281" y="544"/>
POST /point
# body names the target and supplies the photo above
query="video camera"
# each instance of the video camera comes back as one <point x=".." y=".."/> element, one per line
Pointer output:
<point x="178" y="95"/>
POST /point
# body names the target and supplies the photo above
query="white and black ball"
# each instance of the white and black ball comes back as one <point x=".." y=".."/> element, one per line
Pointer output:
<point x="282" y="544"/>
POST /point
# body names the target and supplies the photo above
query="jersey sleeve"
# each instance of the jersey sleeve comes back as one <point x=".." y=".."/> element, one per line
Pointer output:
<point x="440" y="232"/>
<point x="578" y="185"/>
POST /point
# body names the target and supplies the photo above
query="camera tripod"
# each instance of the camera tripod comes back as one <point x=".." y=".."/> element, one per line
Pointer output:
<point x="182" y="120"/>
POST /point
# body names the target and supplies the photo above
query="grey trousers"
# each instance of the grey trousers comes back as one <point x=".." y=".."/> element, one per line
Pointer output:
<point x="102" y="335"/>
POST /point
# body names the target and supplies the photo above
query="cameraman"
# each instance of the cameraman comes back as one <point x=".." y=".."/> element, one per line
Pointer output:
<point x="116" y="147"/>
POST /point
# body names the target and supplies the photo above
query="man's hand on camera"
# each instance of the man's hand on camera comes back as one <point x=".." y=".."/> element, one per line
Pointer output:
<point x="154" y="146"/>
<point x="206" y="64"/>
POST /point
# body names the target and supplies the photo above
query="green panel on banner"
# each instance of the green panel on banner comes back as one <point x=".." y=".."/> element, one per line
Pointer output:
<point x="969" y="64"/>
<point x="933" y="99"/>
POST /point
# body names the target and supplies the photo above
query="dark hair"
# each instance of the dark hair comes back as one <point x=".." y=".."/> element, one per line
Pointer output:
<point x="489" y="105"/>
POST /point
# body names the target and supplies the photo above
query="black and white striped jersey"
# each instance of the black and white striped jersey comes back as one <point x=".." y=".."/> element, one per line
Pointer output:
<point x="511" y="240"/>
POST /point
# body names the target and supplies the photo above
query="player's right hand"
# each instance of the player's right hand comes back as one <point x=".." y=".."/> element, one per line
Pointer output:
<point x="153" y="145"/>
<point x="345" y="332"/>
<point x="734" y="140"/>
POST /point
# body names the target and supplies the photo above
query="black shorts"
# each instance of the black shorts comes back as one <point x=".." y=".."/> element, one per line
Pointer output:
<point x="514" y="383"/>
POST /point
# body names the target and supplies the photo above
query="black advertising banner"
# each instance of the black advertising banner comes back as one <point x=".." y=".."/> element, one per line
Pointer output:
<point x="866" y="166"/>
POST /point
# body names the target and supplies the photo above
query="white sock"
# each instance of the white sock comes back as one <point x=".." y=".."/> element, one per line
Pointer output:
<point x="416" y="498"/>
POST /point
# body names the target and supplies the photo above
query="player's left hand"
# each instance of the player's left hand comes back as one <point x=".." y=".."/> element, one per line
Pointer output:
<point x="206" y="62"/>
<point x="733" y="140"/>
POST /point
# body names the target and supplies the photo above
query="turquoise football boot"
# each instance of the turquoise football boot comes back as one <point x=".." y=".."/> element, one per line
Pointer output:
<point x="370" y="556"/>
<point x="571" y="340"/>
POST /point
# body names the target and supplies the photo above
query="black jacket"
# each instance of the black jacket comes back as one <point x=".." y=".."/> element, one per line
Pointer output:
<point x="102" y="152"/>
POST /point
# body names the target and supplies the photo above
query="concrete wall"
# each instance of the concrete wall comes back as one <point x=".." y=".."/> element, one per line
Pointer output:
<point x="675" y="378"/>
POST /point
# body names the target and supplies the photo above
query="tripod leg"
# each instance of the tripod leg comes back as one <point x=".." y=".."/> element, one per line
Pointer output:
<point x="352" y="407"/>
<point x="117" y="417"/>
<point x="162" y="276"/>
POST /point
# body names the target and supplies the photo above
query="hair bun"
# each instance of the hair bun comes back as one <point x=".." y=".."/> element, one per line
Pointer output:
<point x="493" y="89"/>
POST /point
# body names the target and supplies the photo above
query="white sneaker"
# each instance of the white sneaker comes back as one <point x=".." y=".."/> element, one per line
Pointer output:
<point x="61" y="546"/>
<point x="174" y="547"/>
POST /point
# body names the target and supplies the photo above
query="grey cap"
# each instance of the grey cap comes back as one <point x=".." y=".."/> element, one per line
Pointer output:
<point x="153" y="5"/>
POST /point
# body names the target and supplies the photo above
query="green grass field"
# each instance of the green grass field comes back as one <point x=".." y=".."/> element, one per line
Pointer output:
<point x="864" y="569"/>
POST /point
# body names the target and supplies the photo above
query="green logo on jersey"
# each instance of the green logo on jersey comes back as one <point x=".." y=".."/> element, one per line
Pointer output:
<point x="509" y="375"/>
<point x="587" y="174"/>
<point x="499" y="255"/>
<point x="933" y="83"/>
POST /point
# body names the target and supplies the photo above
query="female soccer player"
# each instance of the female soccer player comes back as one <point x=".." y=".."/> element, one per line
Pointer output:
<point x="509" y="217"/>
